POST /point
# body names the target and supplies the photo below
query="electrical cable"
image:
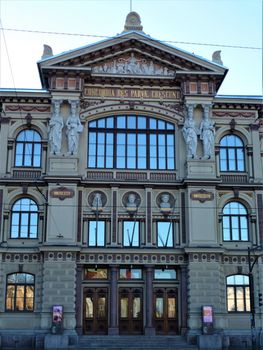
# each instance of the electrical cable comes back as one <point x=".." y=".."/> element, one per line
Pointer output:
<point x="145" y="39"/>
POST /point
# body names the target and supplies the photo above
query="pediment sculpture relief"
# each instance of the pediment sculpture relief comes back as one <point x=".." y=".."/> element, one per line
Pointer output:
<point x="133" y="65"/>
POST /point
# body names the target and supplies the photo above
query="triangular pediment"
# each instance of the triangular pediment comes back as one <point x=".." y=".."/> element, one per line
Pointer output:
<point x="132" y="53"/>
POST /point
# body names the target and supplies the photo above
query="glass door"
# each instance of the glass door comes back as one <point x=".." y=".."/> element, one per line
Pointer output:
<point x="165" y="311"/>
<point x="95" y="311"/>
<point x="130" y="311"/>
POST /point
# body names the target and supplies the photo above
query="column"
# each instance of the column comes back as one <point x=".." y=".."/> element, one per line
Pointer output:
<point x="113" y="327"/>
<point x="78" y="300"/>
<point x="184" y="299"/>
<point x="149" y="329"/>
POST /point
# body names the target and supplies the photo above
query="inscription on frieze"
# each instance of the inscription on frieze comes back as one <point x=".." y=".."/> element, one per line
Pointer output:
<point x="132" y="93"/>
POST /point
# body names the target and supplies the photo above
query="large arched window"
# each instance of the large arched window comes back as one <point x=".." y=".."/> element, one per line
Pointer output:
<point x="28" y="149"/>
<point x="238" y="293"/>
<point x="131" y="142"/>
<point x="24" y="219"/>
<point x="232" y="154"/>
<point x="235" y="222"/>
<point x="20" y="289"/>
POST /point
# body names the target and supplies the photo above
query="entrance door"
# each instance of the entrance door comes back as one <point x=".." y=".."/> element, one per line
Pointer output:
<point x="95" y="311"/>
<point x="165" y="311"/>
<point x="130" y="311"/>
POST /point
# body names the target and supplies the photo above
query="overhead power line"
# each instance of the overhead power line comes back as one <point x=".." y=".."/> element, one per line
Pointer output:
<point x="110" y="37"/>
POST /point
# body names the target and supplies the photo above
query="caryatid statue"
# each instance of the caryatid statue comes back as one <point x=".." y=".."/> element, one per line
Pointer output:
<point x="55" y="129"/>
<point x="190" y="133"/>
<point x="74" y="128"/>
<point x="207" y="134"/>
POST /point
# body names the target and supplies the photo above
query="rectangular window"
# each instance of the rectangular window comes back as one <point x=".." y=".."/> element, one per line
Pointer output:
<point x="96" y="233"/>
<point x="131" y="234"/>
<point x="130" y="274"/>
<point x="92" y="273"/>
<point x="165" y="234"/>
<point x="164" y="274"/>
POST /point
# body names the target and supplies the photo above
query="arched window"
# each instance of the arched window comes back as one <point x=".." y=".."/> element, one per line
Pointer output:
<point x="131" y="142"/>
<point x="24" y="219"/>
<point x="235" y="222"/>
<point x="232" y="154"/>
<point x="28" y="149"/>
<point x="20" y="289"/>
<point x="238" y="293"/>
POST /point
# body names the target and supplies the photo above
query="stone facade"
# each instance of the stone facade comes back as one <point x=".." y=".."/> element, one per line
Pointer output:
<point x="148" y="82"/>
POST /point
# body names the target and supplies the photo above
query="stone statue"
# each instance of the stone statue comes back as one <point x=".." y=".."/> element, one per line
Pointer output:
<point x="190" y="133"/>
<point x="47" y="52"/>
<point x="131" y="201"/>
<point x="74" y="128"/>
<point x="207" y="134"/>
<point x="97" y="202"/>
<point x="216" y="57"/>
<point x="165" y="201"/>
<point x="55" y="129"/>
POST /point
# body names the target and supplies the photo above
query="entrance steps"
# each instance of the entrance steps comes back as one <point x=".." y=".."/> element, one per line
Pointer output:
<point x="139" y="342"/>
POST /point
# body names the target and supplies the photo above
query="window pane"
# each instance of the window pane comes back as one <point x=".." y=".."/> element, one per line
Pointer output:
<point x="130" y="233"/>
<point x="89" y="308"/>
<point x="164" y="274"/>
<point x="130" y="274"/>
<point x="159" y="307"/>
<point x="161" y="125"/>
<point x="141" y="123"/>
<point x="165" y="234"/>
<point x="101" y="307"/>
<point x="124" y="307"/>
<point x="10" y="296"/>
<point x="131" y="123"/>
<point x="121" y="122"/>
<point x="153" y="124"/>
<point x="97" y="233"/>
<point x="101" y="123"/>
<point x="240" y="298"/>
<point x="230" y="299"/>
<point x="136" y="307"/>
<point x="96" y="273"/>
<point x="171" y="307"/>
<point x="110" y="122"/>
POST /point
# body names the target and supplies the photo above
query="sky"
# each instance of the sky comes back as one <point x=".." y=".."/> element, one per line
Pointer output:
<point x="207" y="22"/>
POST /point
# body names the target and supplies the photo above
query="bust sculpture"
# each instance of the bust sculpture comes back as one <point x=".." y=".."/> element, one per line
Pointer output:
<point x="165" y="201"/>
<point x="131" y="205"/>
<point x="97" y="202"/>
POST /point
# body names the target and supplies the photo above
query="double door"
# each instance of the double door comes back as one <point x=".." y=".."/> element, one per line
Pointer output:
<point x="130" y="311"/>
<point x="95" y="311"/>
<point x="165" y="311"/>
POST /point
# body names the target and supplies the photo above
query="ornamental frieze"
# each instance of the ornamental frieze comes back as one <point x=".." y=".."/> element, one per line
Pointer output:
<point x="233" y="114"/>
<point x="132" y="65"/>
<point x="17" y="108"/>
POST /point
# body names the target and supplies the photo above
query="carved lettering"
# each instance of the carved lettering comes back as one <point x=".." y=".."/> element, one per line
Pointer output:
<point x="147" y="94"/>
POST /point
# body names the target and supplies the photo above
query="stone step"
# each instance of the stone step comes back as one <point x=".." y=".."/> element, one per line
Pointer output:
<point x="133" y="343"/>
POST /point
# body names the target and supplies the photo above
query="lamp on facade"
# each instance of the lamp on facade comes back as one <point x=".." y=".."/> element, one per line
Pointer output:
<point x="251" y="264"/>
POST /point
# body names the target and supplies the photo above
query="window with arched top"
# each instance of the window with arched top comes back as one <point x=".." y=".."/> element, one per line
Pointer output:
<point x="235" y="222"/>
<point x="232" y="154"/>
<point x="24" y="219"/>
<point x="28" y="149"/>
<point x="20" y="290"/>
<point x="238" y="293"/>
<point x="131" y="142"/>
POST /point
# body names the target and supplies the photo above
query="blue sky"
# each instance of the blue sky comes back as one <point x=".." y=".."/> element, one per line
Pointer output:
<point x="223" y="22"/>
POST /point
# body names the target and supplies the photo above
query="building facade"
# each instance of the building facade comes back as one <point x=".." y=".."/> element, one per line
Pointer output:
<point x="130" y="193"/>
